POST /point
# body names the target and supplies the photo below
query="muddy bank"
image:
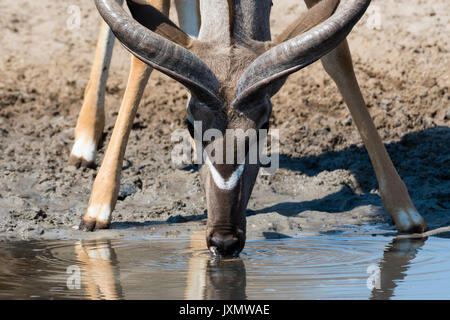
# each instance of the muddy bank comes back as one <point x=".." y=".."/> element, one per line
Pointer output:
<point x="325" y="183"/>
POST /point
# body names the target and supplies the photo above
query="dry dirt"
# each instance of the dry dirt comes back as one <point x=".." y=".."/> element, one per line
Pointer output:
<point x="325" y="183"/>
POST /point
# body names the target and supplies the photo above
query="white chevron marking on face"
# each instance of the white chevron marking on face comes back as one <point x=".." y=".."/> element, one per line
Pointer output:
<point x="220" y="182"/>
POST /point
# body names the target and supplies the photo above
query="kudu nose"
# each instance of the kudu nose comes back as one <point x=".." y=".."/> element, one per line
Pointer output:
<point x="224" y="245"/>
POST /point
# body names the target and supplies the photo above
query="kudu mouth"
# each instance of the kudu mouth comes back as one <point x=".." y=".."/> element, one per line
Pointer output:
<point x="223" y="244"/>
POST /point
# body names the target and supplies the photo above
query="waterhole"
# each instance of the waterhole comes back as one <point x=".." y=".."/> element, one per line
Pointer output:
<point x="305" y="267"/>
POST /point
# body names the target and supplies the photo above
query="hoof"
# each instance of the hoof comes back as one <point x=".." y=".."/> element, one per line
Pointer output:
<point x="410" y="221"/>
<point x="87" y="225"/>
<point x="92" y="225"/>
<point x="419" y="228"/>
<point x="100" y="225"/>
<point x="81" y="162"/>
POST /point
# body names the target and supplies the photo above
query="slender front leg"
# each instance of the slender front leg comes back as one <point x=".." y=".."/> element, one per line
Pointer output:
<point x="188" y="16"/>
<point x="394" y="194"/>
<point x="106" y="186"/>
<point x="107" y="183"/>
<point x="91" y="120"/>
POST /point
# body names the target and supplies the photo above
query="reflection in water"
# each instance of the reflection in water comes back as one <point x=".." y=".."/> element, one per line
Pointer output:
<point x="209" y="278"/>
<point x="15" y="269"/>
<point x="396" y="260"/>
<point x="100" y="270"/>
<point x="225" y="280"/>
<point x="307" y="267"/>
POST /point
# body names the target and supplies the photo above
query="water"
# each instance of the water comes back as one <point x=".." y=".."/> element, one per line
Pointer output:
<point x="307" y="267"/>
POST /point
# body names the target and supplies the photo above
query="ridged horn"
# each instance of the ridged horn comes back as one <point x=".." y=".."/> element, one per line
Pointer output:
<point x="160" y="53"/>
<point x="294" y="54"/>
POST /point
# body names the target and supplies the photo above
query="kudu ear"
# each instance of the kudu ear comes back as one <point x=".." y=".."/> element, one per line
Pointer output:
<point x="316" y="33"/>
<point x="147" y="40"/>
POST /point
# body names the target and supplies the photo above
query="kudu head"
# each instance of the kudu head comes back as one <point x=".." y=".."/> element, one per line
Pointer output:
<point x="232" y="70"/>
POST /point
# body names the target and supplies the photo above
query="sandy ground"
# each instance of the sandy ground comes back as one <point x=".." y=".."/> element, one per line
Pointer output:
<point x="325" y="183"/>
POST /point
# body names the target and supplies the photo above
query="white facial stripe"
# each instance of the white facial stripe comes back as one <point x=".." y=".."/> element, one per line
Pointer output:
<point x="220" y="182"/>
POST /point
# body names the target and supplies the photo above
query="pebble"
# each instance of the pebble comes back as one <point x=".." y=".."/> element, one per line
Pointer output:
<point x="126" y="190"/>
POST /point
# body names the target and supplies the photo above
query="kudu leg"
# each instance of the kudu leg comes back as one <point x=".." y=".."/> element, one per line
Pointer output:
<point x="188" y="16"/>
<point x="107" y="183"/>
<point x="394" y="194"/>
<point x="91" y="120"/>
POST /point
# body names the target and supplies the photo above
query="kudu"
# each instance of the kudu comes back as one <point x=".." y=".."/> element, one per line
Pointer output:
<point x="232" y="70"/>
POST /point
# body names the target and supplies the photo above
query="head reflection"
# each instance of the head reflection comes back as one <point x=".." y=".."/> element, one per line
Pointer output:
<point x="209" y="278"/>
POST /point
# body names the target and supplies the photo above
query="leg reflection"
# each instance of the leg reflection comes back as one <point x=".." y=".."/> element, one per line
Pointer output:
<point x="99" y="269"/>
<point x="211" y="279"/>
<point x="396" y="261"/>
